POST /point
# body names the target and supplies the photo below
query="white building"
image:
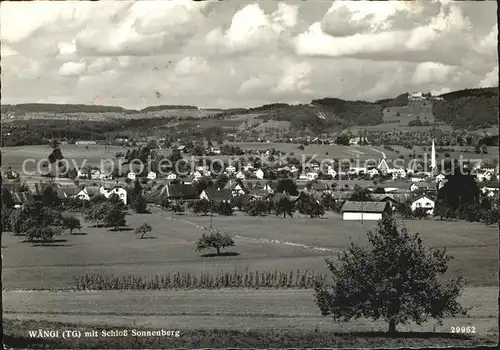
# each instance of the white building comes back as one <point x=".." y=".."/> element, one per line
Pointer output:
<point x="131" y="176"/>
<point x="120" y="191"/>
<point x="82" y="195"/>
<point x="308" y="176"/>
<point x="240" y="175"/>
<point x="230" y="169"/>
<point x="82" y="174"/>
<point x="151" y="175"/>
<point x="171" y="176"/>
<point x="373" y="172"/>
<point x="95" y="174"/>
<point x="440" y="178"/>
<point x="197" y="175"/>
<point x="361" y="211"/>
<point x="259" y="174"/>
<point x="423" y="202"/>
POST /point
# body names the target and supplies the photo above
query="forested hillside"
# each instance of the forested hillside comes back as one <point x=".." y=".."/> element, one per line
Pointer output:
<point x="470" y="108"/>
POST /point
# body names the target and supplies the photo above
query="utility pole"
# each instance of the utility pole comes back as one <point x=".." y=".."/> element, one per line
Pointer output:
<point x="362" y="203"/>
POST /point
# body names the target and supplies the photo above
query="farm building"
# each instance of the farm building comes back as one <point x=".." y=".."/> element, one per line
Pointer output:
<point x="423" y="202"/>
<point x="170" y="192"/>
<point x="235" y="187"/>
<point x="364" y="210"/>
<point x="120" y="191"/>
<point x="216" y="195"/>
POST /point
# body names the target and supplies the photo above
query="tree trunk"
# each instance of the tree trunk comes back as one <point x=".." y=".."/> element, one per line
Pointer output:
<point x="218" y="251"/>
<point x="392" y="326"/>
<point x="70" y="231"/>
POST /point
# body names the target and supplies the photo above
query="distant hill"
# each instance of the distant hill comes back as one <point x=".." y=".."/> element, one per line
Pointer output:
<point x="469" y="108"/>
<point x="63" y="108"/>
<point x="166" y="107"/>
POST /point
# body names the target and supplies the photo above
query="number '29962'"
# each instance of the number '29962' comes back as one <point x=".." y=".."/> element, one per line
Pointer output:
<point x="463" y="329"/>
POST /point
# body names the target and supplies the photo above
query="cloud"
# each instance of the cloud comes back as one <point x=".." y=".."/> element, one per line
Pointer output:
<point x="251" y="27"/>
<point x="491" y="79"/>
<point x="142" y="28"/>
<point x="431" y="72"/>
<point x="72" y="68"/>
<point x="242" y="54"/>
<point x="391" y="31"/>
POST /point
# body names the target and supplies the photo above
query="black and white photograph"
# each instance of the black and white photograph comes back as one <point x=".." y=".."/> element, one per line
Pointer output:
<point x="249" y="174"/>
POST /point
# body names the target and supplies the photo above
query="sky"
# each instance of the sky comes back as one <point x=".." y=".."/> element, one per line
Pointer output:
<point x="242" y="53"/>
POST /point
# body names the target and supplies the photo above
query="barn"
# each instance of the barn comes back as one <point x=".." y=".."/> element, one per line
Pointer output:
<point x="364" y="210"/>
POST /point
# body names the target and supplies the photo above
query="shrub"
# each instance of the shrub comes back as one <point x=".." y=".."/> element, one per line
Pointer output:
<point x="214" y="239"/>
<point x="186" y="280"/>
<point x="397" y="280"/>
<point x="144" y="229"/>
<point x="140" y="204"/>
<point x="71" y="223"/>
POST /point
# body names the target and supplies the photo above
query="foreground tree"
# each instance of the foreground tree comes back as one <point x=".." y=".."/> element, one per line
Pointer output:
<point x="38" y="222"/>
<point x="214" y="239"/>
<point x="142" y="230"/>
<point x="397" y="280"/>
<point x="140" y="205"/>
<point x="420" y="213"/>
<point x="71" y="223"/>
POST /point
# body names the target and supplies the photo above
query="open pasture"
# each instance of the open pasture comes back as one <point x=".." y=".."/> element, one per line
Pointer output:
<point x="15" y="156"/>
<point x="262" y="243"/>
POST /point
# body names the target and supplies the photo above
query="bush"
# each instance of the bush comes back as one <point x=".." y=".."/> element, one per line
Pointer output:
<point x="186" y="280"/>
<point x="397" y="280"/>
<point x="214" y="239"/>
<point x="140" y="204"/>
<point x="71" y="223"/>
<point x="144" y="229"/>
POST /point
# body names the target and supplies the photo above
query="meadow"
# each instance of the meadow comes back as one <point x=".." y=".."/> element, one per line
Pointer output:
<point x="93" y="154"/>
<point x="262" y="244"/>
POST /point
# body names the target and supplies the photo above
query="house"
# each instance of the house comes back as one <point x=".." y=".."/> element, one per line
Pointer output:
<point x="364" y="210"/>
<point x="151" y="175"/>
<point x="207" y="173"/>
<point x="118" y="190"/>
<point x="259" y="174"/>
<point x="230" y="169"/>
<point x="418" y="177"/>
<point x="490" y="188"/>
<point x="172" y="176"/>
<point x="181" y="149"/>
<point x="82" y="174"/>
<point x="383" y="167"/>
<point x="240" y="175"/>
<point x="357" y="171"/>
<point x="171" y="192"/>
<point x="270" y="187"/>
<point x="309" y="176"/>
<point x="216" y="195"/>
<point x="392" y="199"/>
<point x="236" y="187"/>
<point x="95" y="174"/>
<point x="399" y="173"/>
<point x="197" y="175"/>
<point x="131" y="176"/>
<point x="394" y="186"/>
<point x="373" y="172"/>
<point x="355" y="141"/>
<point x="215" y="150"/>
<point x="331" y="172"/>
<point x="439" y="178"/>
<point x="423" y="202"/>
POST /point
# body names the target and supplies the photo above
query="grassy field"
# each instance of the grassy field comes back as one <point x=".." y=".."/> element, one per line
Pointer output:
<point x="263" y="244"/>
<point x="15" y="156"/>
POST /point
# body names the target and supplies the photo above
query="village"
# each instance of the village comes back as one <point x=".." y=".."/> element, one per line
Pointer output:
<point x="262" y="175"/>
